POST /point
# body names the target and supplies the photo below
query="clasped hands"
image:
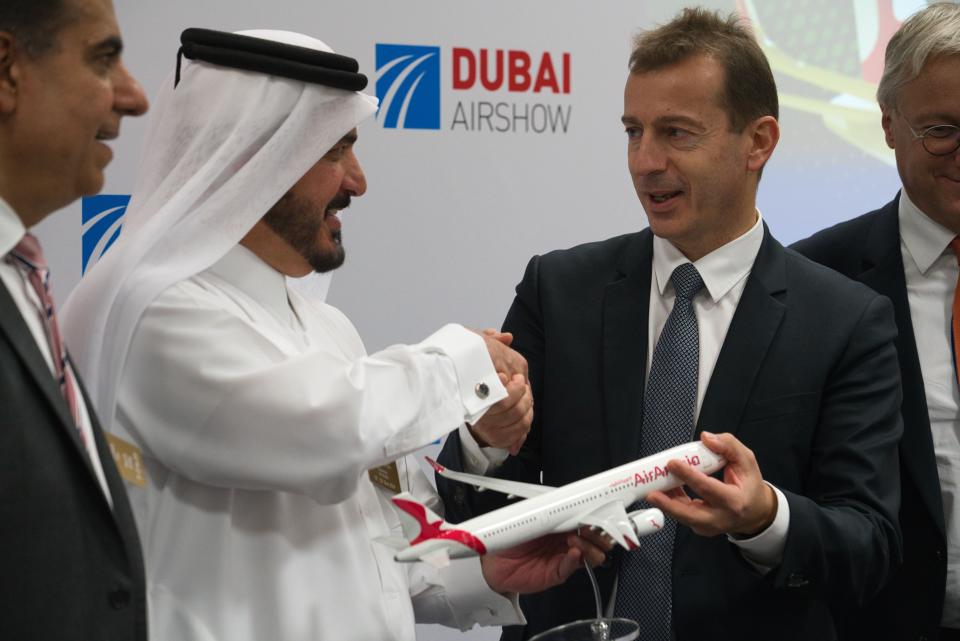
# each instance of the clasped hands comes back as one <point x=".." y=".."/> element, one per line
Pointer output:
<point x="506" y="424"/>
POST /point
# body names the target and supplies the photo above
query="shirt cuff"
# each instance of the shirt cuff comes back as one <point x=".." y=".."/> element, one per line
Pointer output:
<point x="764" y="551"/>
<point x="480" y="387"/>
<point x="476" y="459"/>
<point x="472" y="599"/>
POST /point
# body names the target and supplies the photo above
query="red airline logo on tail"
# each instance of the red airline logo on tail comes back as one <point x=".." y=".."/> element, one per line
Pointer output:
<point x="433" y="530"/>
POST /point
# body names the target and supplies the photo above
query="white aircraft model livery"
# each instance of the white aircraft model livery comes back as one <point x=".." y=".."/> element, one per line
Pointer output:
<point x="598" y="502"/>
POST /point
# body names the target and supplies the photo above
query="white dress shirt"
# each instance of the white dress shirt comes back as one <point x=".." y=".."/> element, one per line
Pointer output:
<point x="258" y="413"/>
<point x="26" y="300"/>
<point x="724" y="272"/>
<point x="931" y="271"/>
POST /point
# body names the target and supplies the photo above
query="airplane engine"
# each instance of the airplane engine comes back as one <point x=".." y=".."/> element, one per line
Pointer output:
<point x="646" y="522"/>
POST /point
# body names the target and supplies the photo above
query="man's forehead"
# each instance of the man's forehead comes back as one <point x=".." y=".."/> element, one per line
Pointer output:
<point x="650" y="106"/>
<point x="935" y="92"/>
<point x="91" y="22"/>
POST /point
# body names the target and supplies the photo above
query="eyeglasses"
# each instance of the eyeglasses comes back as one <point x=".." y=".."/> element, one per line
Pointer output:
<point x="938" y="140"/>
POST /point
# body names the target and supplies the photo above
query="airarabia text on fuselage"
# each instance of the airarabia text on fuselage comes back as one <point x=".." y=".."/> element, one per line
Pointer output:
<point x="649" y="475"/>
<point x="539" y="77"/>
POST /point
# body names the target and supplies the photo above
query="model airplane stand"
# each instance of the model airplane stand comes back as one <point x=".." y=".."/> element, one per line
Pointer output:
<point x="599" y="629"/>
<point x="592" y="630"/>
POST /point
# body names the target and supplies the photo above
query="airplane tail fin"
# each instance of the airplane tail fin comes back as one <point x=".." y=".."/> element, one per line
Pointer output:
<point x="430" y="538"/>
<point x="418" y="521"/>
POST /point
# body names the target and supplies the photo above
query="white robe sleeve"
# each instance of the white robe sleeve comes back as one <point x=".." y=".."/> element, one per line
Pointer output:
<point x="209" y="394"/>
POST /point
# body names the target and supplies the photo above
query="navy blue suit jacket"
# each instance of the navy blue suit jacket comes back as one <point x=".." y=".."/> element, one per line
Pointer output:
<point x="807" y="378"/>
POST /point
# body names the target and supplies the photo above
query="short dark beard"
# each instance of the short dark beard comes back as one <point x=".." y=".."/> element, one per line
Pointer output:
<point x="298" y="222"/>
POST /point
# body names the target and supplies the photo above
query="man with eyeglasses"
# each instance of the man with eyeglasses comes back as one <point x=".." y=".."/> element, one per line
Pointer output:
<point x="908" y="250"/>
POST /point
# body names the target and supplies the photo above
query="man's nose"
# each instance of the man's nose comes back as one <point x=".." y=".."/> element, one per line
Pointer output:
<point x="128" y="98"/>
<point x="645" y="157"/>
<point x="355" y="182"/>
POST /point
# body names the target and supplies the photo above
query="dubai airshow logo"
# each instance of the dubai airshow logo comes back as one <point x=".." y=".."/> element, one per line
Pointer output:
<point x="526" y="84"/>
<point x="408" y="86"/>
<point x="102" y="222"/>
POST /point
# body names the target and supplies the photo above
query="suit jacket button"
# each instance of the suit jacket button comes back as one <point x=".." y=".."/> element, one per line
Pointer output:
<point x="939" y="553"/>
<point x="460" y="496"/>
<point x="482" y="390"/>
<point x="119" y="598"/>
<point x="797" y="580"/>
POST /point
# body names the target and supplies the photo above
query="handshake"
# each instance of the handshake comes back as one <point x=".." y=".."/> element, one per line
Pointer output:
<point x="506" y="424"/>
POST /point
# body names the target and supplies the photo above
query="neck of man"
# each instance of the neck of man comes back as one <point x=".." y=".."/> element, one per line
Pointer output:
<point x="696" y="248"/>
<point x="950" y="222"/>
<point x="21" y="198"/>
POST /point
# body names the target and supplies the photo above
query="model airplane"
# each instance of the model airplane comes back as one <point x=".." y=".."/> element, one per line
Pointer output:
<point x="598" y="502"/>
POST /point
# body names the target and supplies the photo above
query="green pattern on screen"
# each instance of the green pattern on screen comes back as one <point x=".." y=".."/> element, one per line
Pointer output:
<point x="818" y="32"/>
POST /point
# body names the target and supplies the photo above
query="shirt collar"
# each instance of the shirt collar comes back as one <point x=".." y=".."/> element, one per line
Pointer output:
<point x="924" y="238"/>
<point x="246" y="271"/>
<point x="11" y="228"/>
<point x="720" y="270"/>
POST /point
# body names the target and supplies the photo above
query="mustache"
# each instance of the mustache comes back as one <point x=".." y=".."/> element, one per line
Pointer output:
<point x="340" y="201"/>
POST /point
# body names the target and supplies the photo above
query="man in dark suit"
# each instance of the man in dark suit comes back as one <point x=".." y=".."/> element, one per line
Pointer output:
<point x="907" y="251"/>
<point x="70" y="566"/>
<point x="704" y="326"/>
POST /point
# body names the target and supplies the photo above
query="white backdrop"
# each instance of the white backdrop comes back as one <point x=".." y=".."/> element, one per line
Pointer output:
<point x="452" y="215"/>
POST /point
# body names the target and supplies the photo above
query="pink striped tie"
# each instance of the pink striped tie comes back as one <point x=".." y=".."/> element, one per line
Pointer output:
<point x="29" y="258"/>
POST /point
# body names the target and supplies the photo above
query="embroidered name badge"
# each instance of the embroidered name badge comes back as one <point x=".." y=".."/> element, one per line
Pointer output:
<point x="387" y="477"/>
<point x="128" y="459"/>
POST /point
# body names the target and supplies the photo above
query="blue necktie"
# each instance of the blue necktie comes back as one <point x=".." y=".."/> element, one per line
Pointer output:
<point x="644" y="587"/>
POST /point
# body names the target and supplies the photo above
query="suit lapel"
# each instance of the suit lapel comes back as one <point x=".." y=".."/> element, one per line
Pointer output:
<point x="23" y="343"/>
<point x="882" y="270"/>
<point x="752" y="329"/>
<point x="626" y="302"/>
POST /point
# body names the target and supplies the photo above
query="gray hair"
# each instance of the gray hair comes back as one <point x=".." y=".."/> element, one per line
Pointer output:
<point x="931" y="32"/>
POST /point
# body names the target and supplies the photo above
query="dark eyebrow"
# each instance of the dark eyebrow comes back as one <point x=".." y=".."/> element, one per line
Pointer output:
<point x="679" y="120"/>
<point x="666" y="121"/>
<point x="348" y="139"/>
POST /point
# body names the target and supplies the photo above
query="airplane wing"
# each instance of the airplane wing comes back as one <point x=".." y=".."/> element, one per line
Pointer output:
<point x="613" y="520"/>
<point x="510" y="488"/>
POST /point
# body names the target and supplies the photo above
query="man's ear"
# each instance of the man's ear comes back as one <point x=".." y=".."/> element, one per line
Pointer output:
<point x="9" y="72"/>
<point x="886" y="121"/>
<point x="766" y="135"/>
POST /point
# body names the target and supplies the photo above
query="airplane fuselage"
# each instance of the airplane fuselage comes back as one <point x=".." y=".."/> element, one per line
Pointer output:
<point x="563" y="509"/>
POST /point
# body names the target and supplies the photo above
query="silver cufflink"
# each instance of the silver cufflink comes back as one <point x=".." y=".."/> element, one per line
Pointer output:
<point x="482" y="390"/>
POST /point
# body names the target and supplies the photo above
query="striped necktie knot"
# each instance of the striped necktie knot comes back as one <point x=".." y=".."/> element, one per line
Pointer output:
<point x="29" y="253"/>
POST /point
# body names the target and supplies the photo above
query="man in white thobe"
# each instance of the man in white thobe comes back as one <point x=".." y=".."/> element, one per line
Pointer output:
<point x="256" y="411"/>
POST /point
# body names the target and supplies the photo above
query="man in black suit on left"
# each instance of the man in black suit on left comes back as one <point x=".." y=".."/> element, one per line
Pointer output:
<point x="70" y="562"/>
